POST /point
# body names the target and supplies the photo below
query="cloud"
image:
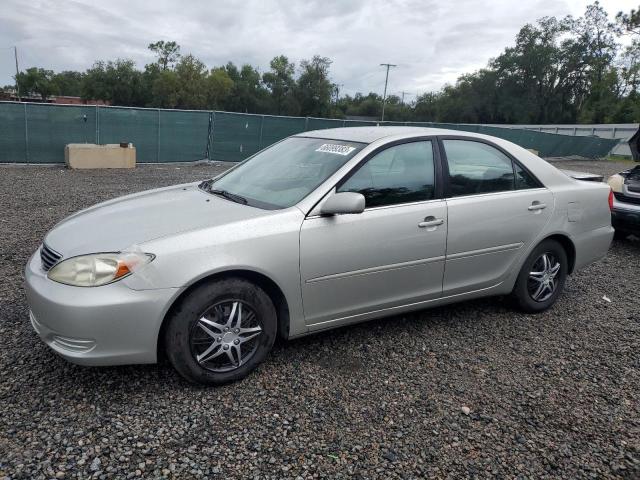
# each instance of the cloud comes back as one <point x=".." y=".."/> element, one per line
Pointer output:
<point x="432" y="42"/>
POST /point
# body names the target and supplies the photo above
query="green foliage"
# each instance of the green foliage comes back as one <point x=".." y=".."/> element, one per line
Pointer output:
<point x="36" y="81"/>
<point x="167" y="52"/>
<point x="68" y="83"/>
<point x="314" y="88"/>
<point x="630" y="22"/>
<point x="281" y="84"/>
<point x="118" y="82"/>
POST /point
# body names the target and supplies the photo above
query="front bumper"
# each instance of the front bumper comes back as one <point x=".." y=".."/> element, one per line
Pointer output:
<point x="107" y="325"/>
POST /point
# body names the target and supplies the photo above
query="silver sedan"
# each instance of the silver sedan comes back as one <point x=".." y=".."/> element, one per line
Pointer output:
<point x="320" y="230"/>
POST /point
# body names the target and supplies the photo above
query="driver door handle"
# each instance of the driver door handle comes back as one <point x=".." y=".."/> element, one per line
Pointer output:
<point x="431" y="222"/>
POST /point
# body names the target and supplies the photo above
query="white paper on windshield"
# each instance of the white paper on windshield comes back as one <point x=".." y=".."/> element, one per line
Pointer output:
<point x="336" y="149"/>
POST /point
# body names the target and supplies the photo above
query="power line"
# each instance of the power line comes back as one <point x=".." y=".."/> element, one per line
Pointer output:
<point x="386" y="80"/>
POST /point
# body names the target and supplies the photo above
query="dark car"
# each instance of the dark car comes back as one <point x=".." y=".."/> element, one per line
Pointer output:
<point x="625" y="211"/>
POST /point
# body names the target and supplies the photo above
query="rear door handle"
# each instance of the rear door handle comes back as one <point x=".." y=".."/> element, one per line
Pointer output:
<point x="537" y="206"/>
<point x="431" y="222"/>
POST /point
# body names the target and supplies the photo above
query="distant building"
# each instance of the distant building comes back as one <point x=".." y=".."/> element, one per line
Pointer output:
<point x="68" y="100"/>
<point x="10" y="95"/>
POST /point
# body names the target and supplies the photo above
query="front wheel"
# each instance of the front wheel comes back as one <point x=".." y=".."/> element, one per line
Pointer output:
<point x="541" y="278"/>
<point x="221" y="331"/>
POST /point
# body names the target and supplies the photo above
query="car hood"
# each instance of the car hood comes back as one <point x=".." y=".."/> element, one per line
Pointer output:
<point x="124" y="222"/>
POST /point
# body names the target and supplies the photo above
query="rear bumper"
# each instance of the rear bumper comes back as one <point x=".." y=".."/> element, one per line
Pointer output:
<point x="107" y="325"/>
<point x="592" y="245"/>
<point x="625" y="217"/>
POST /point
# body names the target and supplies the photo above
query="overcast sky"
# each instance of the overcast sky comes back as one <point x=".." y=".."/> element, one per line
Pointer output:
<point x="432" y="42"/>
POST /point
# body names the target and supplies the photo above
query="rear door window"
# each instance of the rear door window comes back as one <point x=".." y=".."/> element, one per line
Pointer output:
<point x="475" y="168"/>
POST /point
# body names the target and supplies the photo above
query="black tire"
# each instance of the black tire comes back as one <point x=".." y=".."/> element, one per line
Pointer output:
<point x="522" y="295"/>
<point x="179" y="331"/>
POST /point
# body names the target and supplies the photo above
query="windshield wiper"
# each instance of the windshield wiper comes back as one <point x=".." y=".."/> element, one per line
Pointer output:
<point x="234" y="197"/>
<point x="231" y="196"/>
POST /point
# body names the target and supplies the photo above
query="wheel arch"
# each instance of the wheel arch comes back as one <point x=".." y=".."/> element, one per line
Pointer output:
<point x="569" y="248"/>
<point x="270" y="287"/>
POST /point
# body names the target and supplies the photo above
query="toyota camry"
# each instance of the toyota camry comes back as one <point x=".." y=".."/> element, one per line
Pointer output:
<point x="320" y="230"/>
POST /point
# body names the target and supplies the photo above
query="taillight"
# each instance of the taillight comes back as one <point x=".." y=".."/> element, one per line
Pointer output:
<point x="610" y="199"/>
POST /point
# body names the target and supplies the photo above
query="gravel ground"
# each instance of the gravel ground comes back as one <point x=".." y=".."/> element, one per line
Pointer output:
<point x="473" y="390"/>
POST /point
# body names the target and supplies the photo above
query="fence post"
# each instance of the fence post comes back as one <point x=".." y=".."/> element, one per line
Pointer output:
<point x="213" y="134"/>
<point x="26" y="135"/>
<point x="261" y="125"/>
<point x="158" y="143"/>
<point x="97" y="124"/>
<point x="306" y="123"/>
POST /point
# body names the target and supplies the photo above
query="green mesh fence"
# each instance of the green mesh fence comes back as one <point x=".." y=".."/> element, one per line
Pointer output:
<point x="277" y="128"/>
<point x="235" y="136"/>
<point x="37" y="133"/>
<point x="51" y="127"/>
<point x="131" y="125"/>
<point x="13" y="132"/>
<point x="546" y="144"/>
<point x="183" y="135"/>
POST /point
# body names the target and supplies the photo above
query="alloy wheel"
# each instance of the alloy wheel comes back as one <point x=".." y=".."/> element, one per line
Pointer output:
<point x="225" y="337"/>
<point x="542" y="283"/>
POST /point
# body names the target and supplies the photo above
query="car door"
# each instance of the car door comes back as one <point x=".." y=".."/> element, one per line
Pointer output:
<point x="496" y="209"/>
<point x="389" y="255"/>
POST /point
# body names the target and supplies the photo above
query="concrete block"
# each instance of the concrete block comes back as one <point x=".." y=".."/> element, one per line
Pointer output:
<point x="89" y="155"/>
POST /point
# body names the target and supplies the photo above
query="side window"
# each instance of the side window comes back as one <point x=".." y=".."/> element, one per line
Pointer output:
<point x="524" y="179"/>
<point x="476" y="167"/>
<point x="400" y="174"/>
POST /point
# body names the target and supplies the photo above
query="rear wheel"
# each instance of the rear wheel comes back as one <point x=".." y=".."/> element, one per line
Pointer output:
<point x="221" y="331"/>
<point x="542" y="277"/>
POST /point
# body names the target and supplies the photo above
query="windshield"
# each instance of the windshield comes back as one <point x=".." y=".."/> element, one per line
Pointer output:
<point x="282" y="175"/>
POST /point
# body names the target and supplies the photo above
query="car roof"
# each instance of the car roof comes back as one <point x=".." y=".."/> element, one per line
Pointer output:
<point x="371" y="134"/>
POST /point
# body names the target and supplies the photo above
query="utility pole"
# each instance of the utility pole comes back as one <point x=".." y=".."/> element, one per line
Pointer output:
<point x="386" y="80"/>
<point x="15" y="53"/>
<point x="403" y="94"/>
<point x="337" y="90"/>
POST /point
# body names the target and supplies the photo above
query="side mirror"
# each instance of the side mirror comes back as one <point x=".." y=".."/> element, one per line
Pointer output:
<point x="343" y="202"/>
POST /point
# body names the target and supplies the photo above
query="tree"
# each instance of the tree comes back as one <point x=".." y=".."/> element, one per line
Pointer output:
<point x="117" y="82"/>
<point x="595" y="37"/>
<point x="165" y="89"/>
<point x="630" y="22"/>
<point x="219" y="87"/>
<point x="528" y="75"/>
<point x="191" y="76"/>
<point x="37" y="81"/>
<point x="314" y="87"/>
<point x="68" y="83"/>
<point x="280" y="82"/>
<point x="167" y="52"/>
<point x="248" y="94"/>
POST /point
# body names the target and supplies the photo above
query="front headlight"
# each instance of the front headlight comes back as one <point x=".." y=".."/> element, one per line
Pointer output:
<point x="98" y="269"/>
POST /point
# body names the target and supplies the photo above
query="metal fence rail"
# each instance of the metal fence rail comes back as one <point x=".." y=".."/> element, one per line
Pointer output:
<point x="37" y="133"/>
